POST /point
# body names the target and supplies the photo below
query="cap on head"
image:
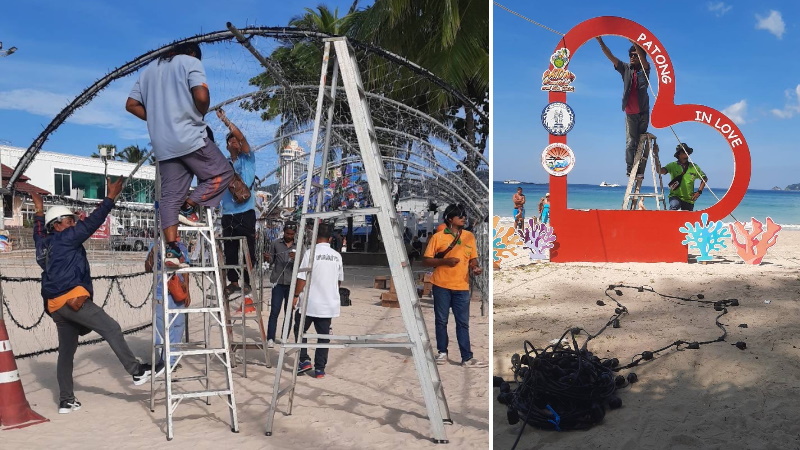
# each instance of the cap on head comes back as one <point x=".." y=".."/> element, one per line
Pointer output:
<point x="683" y="148"/>
<point x="632" y="50"/>
<point x="55" y="213"/>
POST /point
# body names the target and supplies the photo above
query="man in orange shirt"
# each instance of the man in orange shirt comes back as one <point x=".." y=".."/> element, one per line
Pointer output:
<point x="453" y="253"/>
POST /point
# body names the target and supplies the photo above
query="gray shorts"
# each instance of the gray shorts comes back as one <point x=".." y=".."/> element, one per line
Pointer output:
<point x="213" y="171"/>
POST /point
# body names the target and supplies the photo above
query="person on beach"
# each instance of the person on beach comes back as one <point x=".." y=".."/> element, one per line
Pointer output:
<point x="68" y="293"/>
<point x="544" y="209"/>
<point x="178" y="327"/>
<point x="635" y="99"/>
<point x="172" y="96"/>
<point x="453" y="254"/>
<point x="683" y="174"/>
<point x="323" y="302"/>
<point x="519" y="208"/>
<point x="281" y="259"/>
<point x="238" y="219"/>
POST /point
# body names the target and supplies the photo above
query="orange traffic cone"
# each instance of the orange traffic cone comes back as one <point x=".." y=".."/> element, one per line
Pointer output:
<point x="15" y="411"/>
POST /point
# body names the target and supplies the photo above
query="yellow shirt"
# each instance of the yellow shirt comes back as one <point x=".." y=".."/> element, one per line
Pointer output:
<point x="457" y="277"/>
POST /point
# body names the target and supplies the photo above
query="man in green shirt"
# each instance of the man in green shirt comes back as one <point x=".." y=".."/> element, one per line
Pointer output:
<point x="683" y="175"/>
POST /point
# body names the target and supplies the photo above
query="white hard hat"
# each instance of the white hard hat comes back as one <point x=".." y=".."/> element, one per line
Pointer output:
<point x="55" y="213"/>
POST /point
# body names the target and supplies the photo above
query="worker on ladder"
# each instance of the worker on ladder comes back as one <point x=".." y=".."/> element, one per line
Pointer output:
<point x="635" y="100"/>
<point x="681" y="186"/>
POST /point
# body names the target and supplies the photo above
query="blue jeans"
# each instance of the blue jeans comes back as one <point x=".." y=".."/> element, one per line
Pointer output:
<point x="443" y="300"/>
<point x="176" y="331"/>
<point x="280" y="297"/>
<point x="676" y="204"/>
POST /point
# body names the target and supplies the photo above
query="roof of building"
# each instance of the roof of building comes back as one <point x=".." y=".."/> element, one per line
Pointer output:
<point x="22" y="184"/>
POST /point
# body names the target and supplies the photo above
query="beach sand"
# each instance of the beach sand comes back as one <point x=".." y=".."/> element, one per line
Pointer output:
<point x="370" y="398"/>
<point x="712" y="398"/>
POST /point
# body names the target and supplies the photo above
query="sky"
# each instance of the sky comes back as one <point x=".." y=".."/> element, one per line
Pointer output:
<point x="64" y="47"/>
<point x="738" y="57"/>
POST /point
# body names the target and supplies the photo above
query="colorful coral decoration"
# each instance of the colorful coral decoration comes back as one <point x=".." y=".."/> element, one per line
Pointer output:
<point x="705" y="236"/>
<point x="538" y="239"/>
<point x="558" y="78"/>
<point x="558" y="118"/>
<point x="558" y="159"/>
<point x="754" y="244"/>
<point x="505" y="241"/>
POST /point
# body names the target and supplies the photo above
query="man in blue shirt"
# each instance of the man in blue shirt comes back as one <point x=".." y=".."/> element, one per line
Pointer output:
<point x="178" y="324"/>
<point x="238" y="219"/>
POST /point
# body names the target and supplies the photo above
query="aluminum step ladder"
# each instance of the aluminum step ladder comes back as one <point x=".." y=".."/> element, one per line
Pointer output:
<point x="239" y="319"/>
<point x="634" y="198"/>
<point x="210" y="306"/>
<point x="416" y="336"/>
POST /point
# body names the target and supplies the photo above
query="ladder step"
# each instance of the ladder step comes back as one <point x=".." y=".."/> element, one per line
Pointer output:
<point x="204" y="227"/>
<point x="210" y="309"/>
<point x="343" y="213"/>
<point x="199" y="394"/>
<point x="200" y="351"/>
<point x="194" y="269"/>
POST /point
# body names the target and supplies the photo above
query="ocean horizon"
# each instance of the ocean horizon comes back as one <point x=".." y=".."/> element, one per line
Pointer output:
<point x="782" y="206"/>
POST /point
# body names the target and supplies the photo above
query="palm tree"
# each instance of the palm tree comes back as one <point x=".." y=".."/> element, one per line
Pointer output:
<point x="448" y="37"/>
<point x="132" y="154"/>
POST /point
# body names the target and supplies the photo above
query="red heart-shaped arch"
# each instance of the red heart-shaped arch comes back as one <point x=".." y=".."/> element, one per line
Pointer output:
<point x="639" y="236"/>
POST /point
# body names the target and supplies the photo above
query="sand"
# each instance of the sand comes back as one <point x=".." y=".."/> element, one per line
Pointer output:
<point x="715" y="397"/>
<point x="370" y="398"/>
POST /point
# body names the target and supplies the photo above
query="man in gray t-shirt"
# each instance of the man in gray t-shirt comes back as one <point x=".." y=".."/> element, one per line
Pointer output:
<point x="281" y="258"/>
<point x="172" y="96"/>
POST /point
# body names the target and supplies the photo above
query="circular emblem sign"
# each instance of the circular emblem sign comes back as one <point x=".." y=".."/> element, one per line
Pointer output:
<point x="558" y="159"/>
<point x="558" y="118"/>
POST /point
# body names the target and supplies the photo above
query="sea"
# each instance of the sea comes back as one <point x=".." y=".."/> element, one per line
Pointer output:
<point x="782" y="206"/>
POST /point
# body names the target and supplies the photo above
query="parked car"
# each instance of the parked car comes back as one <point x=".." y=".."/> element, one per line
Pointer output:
<point x="134" y="238"/>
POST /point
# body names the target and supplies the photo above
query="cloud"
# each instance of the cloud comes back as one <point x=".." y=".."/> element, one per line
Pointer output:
<point x="736" y="112"/>
<point x="792" y="104"/>
<point x="104" y="111"/>
<point x="772" y="23"/>
<point x="719" y="8"/>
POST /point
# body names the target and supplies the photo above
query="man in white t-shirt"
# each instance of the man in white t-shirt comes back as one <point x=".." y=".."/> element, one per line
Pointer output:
<point x="323" y="302"/>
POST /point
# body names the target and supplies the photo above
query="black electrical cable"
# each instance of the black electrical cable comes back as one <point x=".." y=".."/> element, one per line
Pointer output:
<point x="564" y="386"/>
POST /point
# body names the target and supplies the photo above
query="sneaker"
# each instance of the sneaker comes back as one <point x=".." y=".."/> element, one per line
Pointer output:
<point x="174" y="259"/>
<point x="67" y="406"/>
<point x="441" y="358"/>
<point x="319" y="374"/>
<point x="190" y="217"/>
<point x="270" y="343"/>
<point x="143" y="375"/>
<point x="160" y="369"/>
<point x="231" y="288"/>
<point x="304" y="367"/>
<point x="474" y="363"/>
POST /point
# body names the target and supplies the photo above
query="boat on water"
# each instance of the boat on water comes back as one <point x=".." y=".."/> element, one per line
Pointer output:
<point x="512" y="182"/>
<point x="604" y="184"/>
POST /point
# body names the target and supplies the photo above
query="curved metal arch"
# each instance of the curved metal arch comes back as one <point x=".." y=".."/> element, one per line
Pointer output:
<point x="216" y="36"/>
<point x="434" y="162"/>
<point x="465" y="197"/>
<point x="466" y="145"/>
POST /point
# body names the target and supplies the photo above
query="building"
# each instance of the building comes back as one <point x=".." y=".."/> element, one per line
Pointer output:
<point x="13" y="201"/>
<point x="81" y="179"/>
<point x="292" y="168"/>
